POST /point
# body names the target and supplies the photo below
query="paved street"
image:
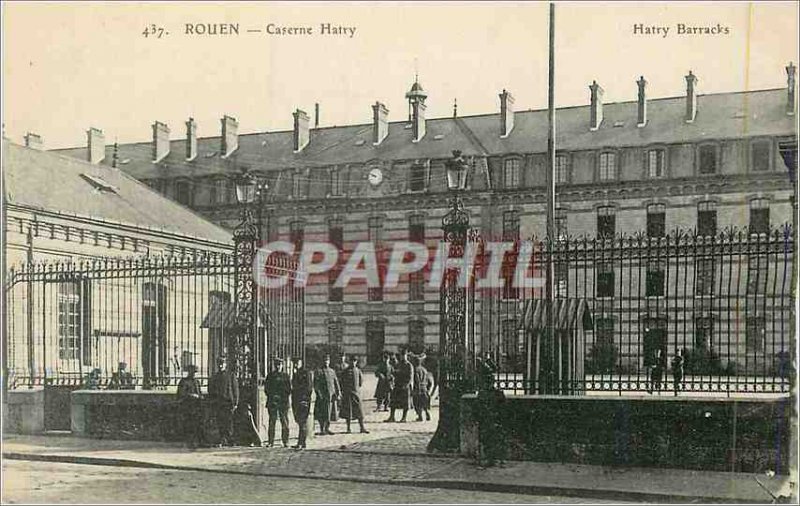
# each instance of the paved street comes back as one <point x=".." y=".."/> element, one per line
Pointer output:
<point x="49" y="482"/>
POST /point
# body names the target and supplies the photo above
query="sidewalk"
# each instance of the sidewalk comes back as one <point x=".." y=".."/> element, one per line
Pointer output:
<point x="394" y="453"/>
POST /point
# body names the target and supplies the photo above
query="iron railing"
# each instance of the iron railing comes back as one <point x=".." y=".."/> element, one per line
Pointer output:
<point x="626" y="306"/>
<point x="73" y="323"/>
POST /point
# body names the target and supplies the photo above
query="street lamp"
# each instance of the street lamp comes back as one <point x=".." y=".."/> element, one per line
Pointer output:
<point x="453" y="380"/>
<point x="244" y="347"/>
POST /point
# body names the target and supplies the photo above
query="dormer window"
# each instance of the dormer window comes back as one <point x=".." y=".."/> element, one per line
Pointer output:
<point x="562" y="169"/>
<point x="607" y="170"/>
<point x="416" y="181"/>
<point x="707" y="159"/>
<point x="336" y="182"/>
<point x="511" y="174"/>
<point x="760" y="159"/>
<point x="655" y="163"/>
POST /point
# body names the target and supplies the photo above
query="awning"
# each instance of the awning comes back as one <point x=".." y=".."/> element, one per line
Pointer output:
<point x="222" y="315"/>
<point x="569" y="313"/>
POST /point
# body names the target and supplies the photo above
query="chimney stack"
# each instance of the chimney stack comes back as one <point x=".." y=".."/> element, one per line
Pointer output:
<point x="97" y="145"/>
<point x="641" y="117"/>
<point x="691" y="97"/>
<point x="596" y="113"/>
<point x="160" y="141"/>
<point x="790" y="70"/>
<point x="301" y="134"/>
<point x="316" y="115"/>
<point x="34" y="141"/>
<point x="230" y="135"/>
<point x="506" y="113"/>
<point x="380" y="123"/>
<point x="191" y="139"/>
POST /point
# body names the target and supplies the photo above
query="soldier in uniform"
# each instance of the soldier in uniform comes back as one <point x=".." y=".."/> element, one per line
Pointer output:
<point x="278" y="388"/>
<point x="189" y="398"/>
<point x="423" y="388"/>
<point x="223" y="389"/>
<point x="327" y="390"/>
<point x="352" y="379"/>
<point x="339" y="369"/>
<point x="302" y="386"/>
<point x="403" y="385"/>
<point x="383" y="391"/>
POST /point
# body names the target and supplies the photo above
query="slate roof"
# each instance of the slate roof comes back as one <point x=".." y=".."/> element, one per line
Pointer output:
<point x="719" y="116"/>
<point x="54" y="182"/>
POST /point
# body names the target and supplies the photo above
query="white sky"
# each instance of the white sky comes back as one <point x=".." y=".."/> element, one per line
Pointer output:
<point x="68" y="66"/>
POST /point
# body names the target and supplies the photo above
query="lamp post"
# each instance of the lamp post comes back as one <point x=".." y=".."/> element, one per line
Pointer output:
<point x="453" y="380"/>
<point x="244" y="347"/>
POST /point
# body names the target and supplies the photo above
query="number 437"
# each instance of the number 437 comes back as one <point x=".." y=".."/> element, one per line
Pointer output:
<point x="155" y="31"/>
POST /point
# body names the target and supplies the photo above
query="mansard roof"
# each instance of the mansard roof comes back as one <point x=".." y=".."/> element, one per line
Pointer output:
<point x="52" y="182"/>
<point x="720" y="116"/>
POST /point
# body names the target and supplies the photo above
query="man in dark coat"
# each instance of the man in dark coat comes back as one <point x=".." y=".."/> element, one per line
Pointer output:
<point x="339" y="369"/>
<point x="327" y="390"/>
<point x="223" y="389"/>
<point x="189" y="398"/>
<point x="278" y="388"/>
<point x="302" y="386"/>
<point x="352" y="379"/>
<point x="423" y="388"/>
<point x="383" y="391"/>
<point x="403" y="385"/>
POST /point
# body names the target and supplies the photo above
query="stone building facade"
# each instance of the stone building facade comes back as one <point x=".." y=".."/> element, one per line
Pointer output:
<point x="704" y="162"/>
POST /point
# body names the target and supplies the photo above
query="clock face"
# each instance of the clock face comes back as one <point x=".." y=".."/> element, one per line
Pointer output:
<point x="375" y="177"/>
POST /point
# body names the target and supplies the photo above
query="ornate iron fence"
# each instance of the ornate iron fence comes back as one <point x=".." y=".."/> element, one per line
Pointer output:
<point x="678" y="314"/>
<point x="75" y="323"/>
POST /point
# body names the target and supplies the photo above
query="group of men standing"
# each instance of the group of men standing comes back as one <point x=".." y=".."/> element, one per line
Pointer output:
<point x="404" y="383"/>
<point x="335" y="393"/>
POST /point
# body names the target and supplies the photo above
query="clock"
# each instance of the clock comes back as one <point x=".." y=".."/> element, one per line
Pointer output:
<point x="375" y="177"/>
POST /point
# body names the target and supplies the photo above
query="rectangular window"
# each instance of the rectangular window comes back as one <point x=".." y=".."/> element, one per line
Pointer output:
<point x="69" y="321"/>
<point x="183" y="193"/>
<point x="703" y="332"/>
<point x="416" y="286"/>
<point x="417" y="178"/>
<point x="759" y="216"/>
<point x="608" y="166"/>
<point x="375" y="228"/>
<point x="605" y="279"/>
<point x="335" y="293"/>
<point x="336" y="183"/>
<point x="511" y="344"/>
<point x="416" y="228"/>
<point x="560" y="276"/>
<point x="416" y="336"/>
<point x="707" y="218"/>
<point x="221" y="191"/>
<point x="297" y="183"/>
<point x="708" y="159"/>
<point x="757" y="274"/>
<point x="561" y="224"/>
<point x="562" y="169"/>
<point x="654" y="284"/>
<point x="760" y="155"/>
<point x="656" y="220"/>
<point x="336" y="333"/>
<point x="705" y="267"/>
<point x="296" y="235"/>
<point x="510" y="226"/>
<point x="605" y="331"/>
<point x="606" y="221"/>
<point x="511" y="174"/>
<point x="655" y="163"/>
<point x="755" y="333"/>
